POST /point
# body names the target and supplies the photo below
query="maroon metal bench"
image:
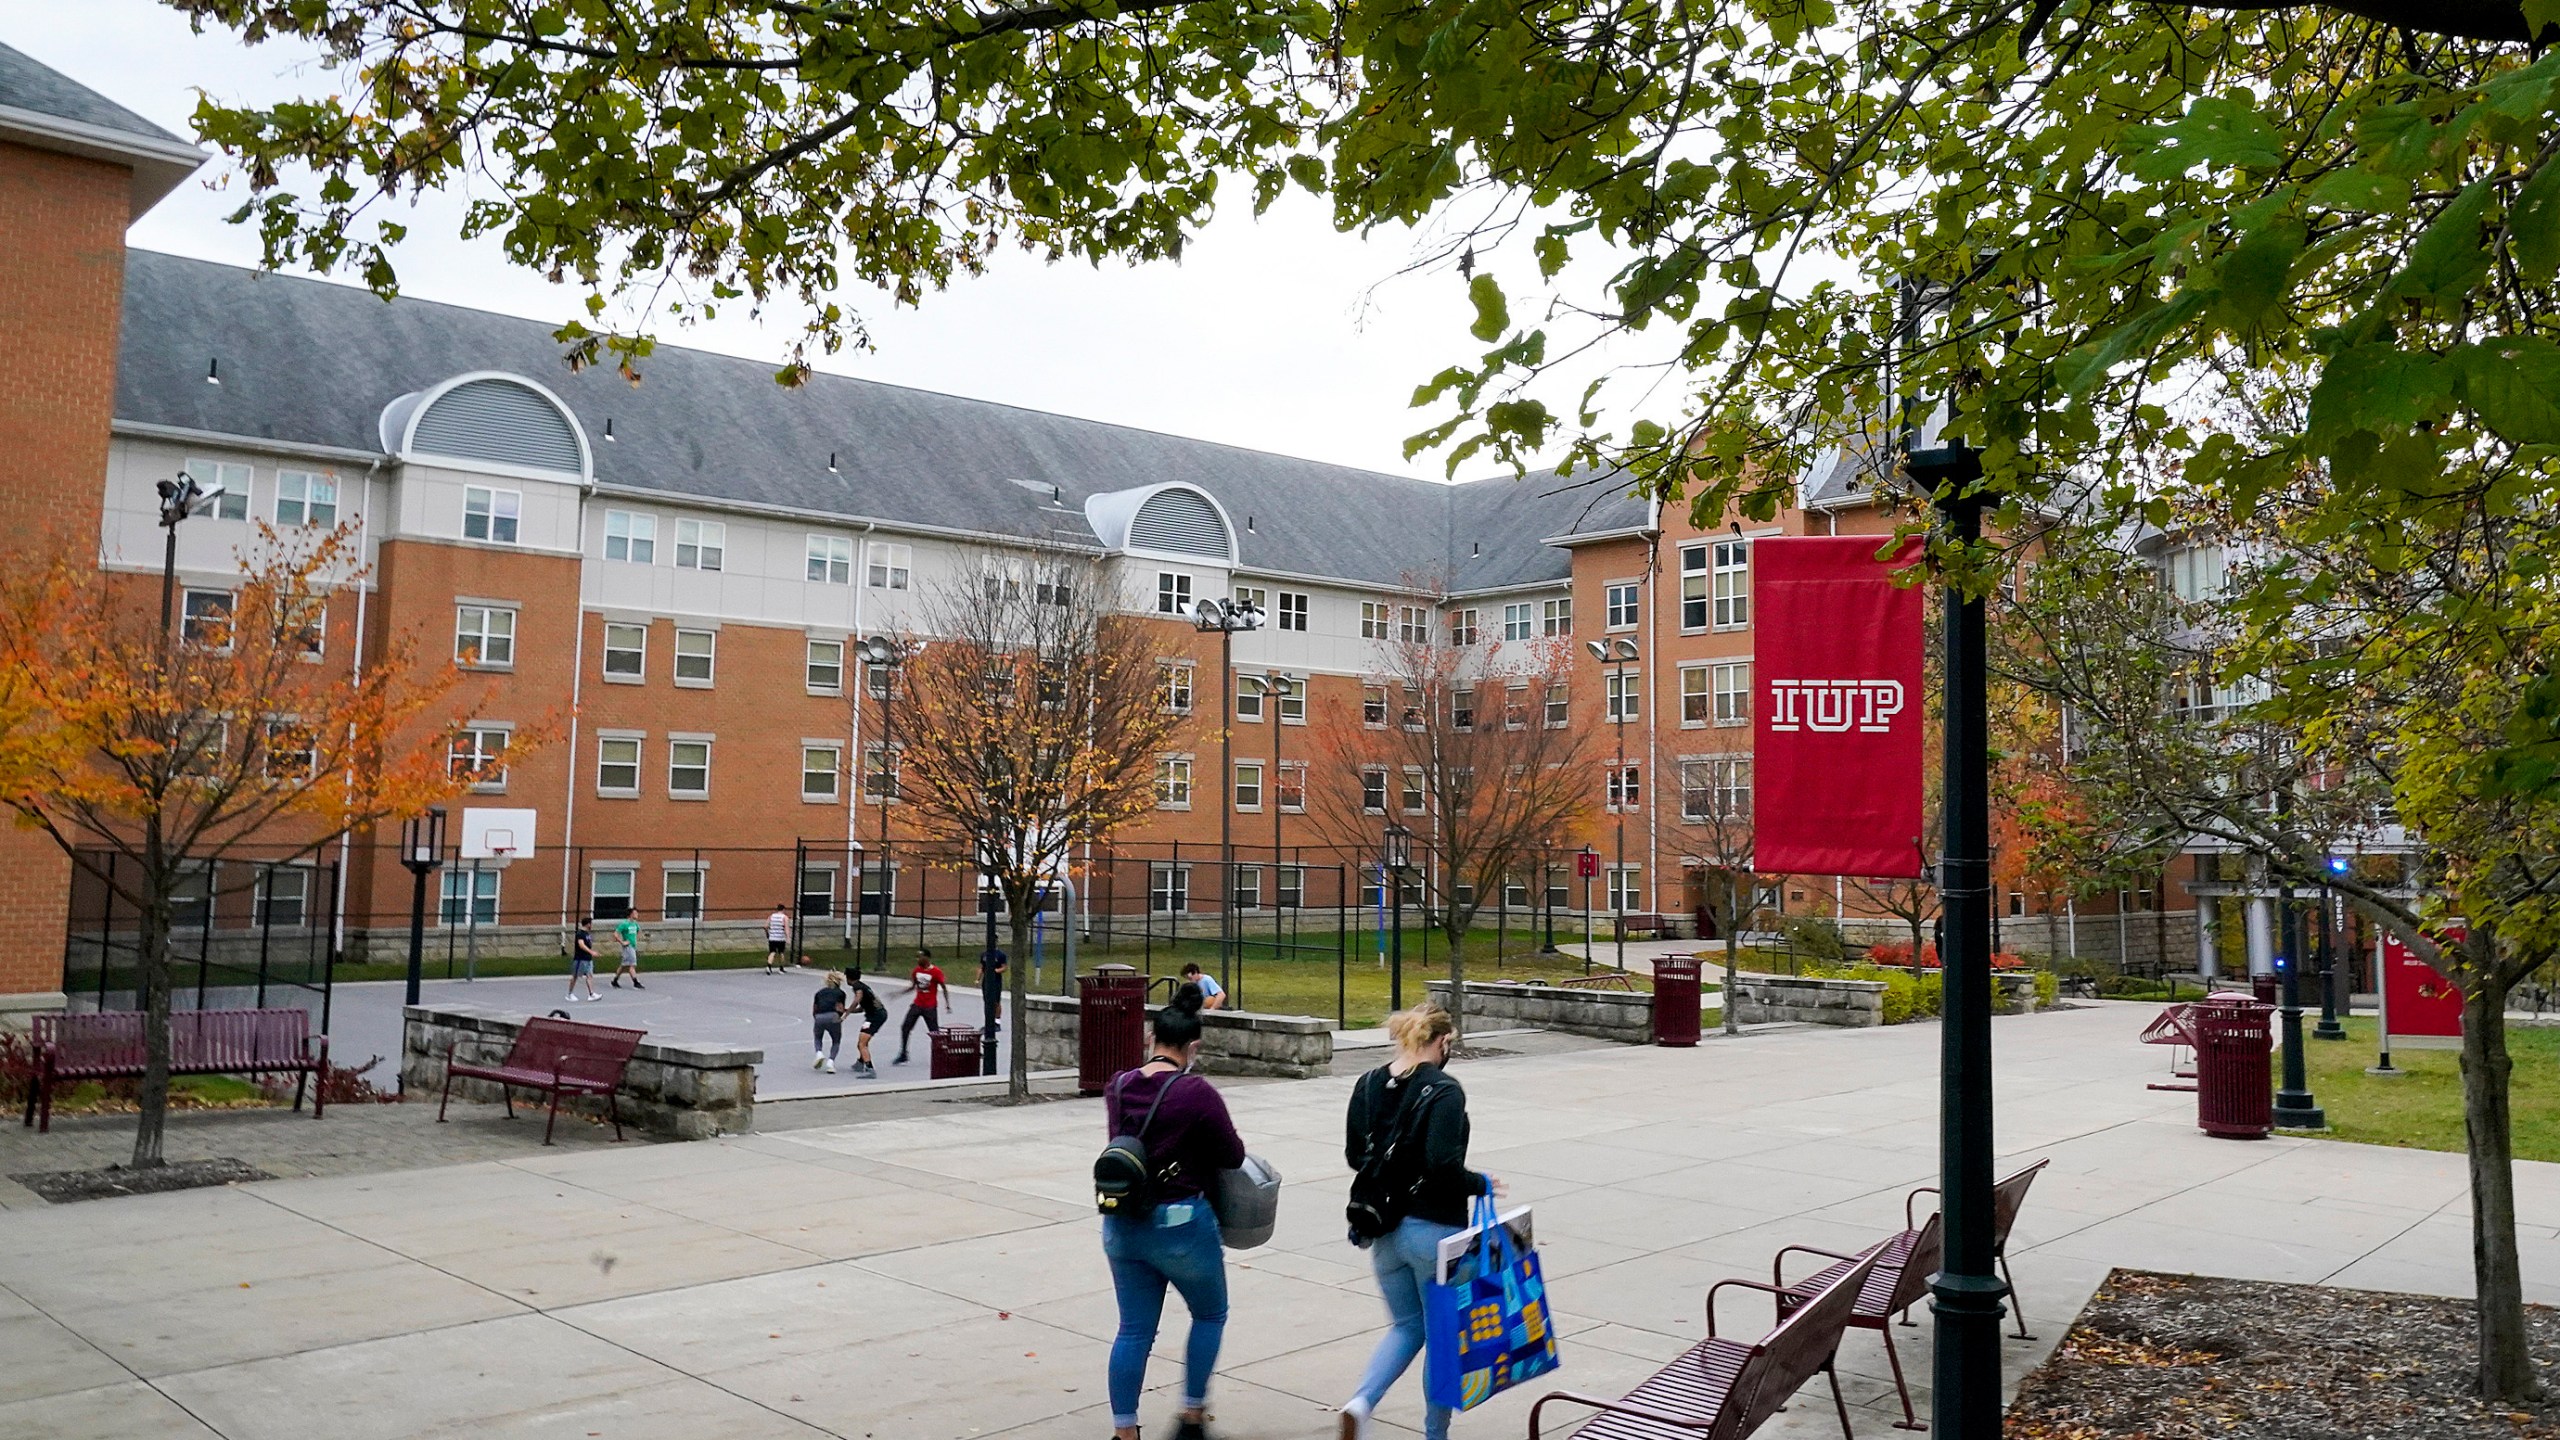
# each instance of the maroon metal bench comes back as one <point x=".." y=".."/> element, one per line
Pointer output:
<point x="109" y="1046"/>
<point x="2007" y="1198"/>
<point x="555" y="1057"/>
<point x="1622" y="926"/>
<point x="1723" y="1389"/>
<point x="1898" y="1281"/>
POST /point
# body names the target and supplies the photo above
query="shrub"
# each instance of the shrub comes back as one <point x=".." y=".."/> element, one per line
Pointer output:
<point x="1901" y="994"/>
<point x="339" y="1085"/>
<point x="1815" y="938"/>
<point x="2048" y="988"/>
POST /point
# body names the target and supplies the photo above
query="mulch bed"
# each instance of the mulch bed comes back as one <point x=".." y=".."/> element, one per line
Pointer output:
<point x="2184" y="1357"/>
<point x="62" y="1187"/>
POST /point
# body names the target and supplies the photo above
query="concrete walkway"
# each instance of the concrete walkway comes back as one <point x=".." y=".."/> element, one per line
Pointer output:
<point x="941" y="1277"/>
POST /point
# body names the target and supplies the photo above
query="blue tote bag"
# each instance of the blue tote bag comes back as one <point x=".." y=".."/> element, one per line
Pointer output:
<point x="1488" y="1328"/>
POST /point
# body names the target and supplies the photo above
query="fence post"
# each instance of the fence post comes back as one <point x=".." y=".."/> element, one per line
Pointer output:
<point x="265" y="895"/>
<point x="1341" y="951"/>
<point x="204" y="941"/>
<point x="693" y="931"/>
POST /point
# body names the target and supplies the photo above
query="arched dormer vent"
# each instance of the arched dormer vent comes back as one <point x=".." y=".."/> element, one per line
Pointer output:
<point x="488" y="419"/>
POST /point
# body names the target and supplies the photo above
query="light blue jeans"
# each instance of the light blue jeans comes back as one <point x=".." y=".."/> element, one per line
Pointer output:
<point x="1405" y="1259"/>
<point x="1178" y="1245"/>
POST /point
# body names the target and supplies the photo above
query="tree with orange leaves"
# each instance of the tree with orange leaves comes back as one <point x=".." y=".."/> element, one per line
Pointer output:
<point x="170" y="747"/>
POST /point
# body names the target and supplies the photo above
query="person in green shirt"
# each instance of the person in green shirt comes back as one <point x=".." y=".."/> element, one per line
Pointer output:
<point x="628" y="932"/>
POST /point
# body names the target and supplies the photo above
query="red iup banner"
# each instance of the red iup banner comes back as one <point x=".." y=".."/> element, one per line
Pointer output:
<point x="1837" y="724"/>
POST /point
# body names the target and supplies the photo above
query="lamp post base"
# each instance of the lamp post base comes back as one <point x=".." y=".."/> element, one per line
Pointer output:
<point x="2329" y="1029"/>
<point x="2299" y="1112"/>
<point x="1968" y="1311"/>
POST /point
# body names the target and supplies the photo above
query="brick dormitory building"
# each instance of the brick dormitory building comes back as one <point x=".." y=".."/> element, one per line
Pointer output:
<point x="676" y="570"/>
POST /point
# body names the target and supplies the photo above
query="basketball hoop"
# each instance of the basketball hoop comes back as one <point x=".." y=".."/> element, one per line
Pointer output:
<point x="499" y="857"/>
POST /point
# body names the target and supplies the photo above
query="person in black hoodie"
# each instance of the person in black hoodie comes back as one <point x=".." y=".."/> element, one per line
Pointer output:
<point x="1410" y="1096"/>
<point x="1189" y="1138"/>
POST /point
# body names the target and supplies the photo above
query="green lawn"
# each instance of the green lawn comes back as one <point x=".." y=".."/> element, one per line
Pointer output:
<point x="2422" y="1110"/>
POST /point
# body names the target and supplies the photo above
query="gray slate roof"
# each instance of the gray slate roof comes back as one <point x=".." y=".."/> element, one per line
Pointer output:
<point x="313" y="362"/>
<point x="26" y="84"/>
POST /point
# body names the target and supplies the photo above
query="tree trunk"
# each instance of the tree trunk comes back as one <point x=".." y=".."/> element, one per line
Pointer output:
<point x="1017" y="991"/>
<point x="2506" y="1371"/>
<point x="152" y="976"/>
<point x="1732" y="1011"/>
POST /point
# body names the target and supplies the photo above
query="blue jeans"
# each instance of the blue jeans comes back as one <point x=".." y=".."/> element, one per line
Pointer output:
<point x="1177" y="1245"/>
<point x="1405" y="1258"/>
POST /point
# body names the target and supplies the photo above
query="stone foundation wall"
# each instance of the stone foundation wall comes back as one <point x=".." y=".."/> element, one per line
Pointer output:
<point x="1232" y="1042"/>
<point x="1767" y="999"/>
<point x="1621" y="1015"/>
<point x="679" y="1089"/>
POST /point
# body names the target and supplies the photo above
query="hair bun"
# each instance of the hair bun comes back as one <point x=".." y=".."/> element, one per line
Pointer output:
<point x="1188" y="997"/>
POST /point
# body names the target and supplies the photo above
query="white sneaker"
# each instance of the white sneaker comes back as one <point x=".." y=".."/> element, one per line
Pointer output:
<point x="1355" y="1421"/>
<point x="818" y="1059"/>
<point x="831" y="1067"/>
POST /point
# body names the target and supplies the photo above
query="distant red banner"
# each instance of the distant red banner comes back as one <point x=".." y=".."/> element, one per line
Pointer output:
<point x="2418" y="1004"/>
<point x="1837" y="718"/>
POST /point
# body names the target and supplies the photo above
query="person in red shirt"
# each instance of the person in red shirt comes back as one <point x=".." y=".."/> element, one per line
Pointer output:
<point x="926" y="1007"/>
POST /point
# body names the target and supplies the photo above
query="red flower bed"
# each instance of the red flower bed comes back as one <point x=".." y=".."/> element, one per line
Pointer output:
<point x="1897" y="954"/>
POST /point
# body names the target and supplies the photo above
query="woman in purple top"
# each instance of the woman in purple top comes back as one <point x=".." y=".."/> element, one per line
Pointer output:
<point x="1189" y="1139"/>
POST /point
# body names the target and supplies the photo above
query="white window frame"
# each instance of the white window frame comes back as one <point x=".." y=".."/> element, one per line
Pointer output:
<point x="1168" y="888"/>
<point x="471" y="752"/>
<point x="1695" y="607"/>
<point x="1255" y="596"/>
<point x="709" y="645"/>
<point x="316" y="504"/>
<point x="1462" y="626"/>
<point x="888" y="565"/>
<point x="1731" y="685"/>
<point x="679" y="747"/>
<point x="1177" y="683"/>
<point x="1293" y="698"/>
<point x="1624" y="789"/>
<point x="634" y="638"/>
<point x="1519" y="621"/>
<point x="1374" y="620"/>
<point x="883" y="775"/>
<point x="1731" y="584"/>
<point x="234" y="476"/>
<point x="827" y="559"/>
<point x="1413" y="626"/>
<point x="596" y="893"/>
<point x="631" y="536"/>
<point x="810" y="665"/>
<point x="191" y="617"/>
<point x="1294" y="607"/>
<point x="1290" y="886"/>
<point x="1555" y="617"/>
<point x="459" y="892"/>
<point x="1556" y="706"/>
<point x="1622" y="696"/>
<point x="1373" y="782"/>
<point x="1173" y="592"/>
<point x="1622" y="889"/>
<point x="1623" y="604"/>
<point x="1292" y="776"/>
<point x="831" y="765"/>
<point x="1412" y="796"/>
<point x="697" y="873"/>
<point x="1697" y="696"/>
<point x="1243" y="787"/>
<point x="488" y="635"/>
<point x="1173" y="782"/>
<point x="611" y="742"/>
<point x="500" y="514"/>
<point x="701" y="544"/>
<point x="1373" y="706"/>
<point x="1249" y="698"/>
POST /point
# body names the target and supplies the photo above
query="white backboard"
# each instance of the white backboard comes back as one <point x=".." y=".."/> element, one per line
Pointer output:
<point x="487" y="834"/>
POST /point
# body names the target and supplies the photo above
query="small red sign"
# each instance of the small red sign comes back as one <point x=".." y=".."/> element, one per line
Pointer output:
<point x="1586" y="864"/>
<point x="2416" y="1001"/>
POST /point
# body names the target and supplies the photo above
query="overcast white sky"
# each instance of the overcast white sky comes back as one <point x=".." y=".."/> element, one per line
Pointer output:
<point x="1278" y="334"/>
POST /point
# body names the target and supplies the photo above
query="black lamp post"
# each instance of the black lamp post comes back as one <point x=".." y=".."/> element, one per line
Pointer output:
<point x="884" y="656"/>
<point x="2295" y="1107"/>
<point x="1967" y="1293"/>
<point x="2329" y="1028"/>
<point x="1223" y="618"/>
<point x="422" y="850"/>
<point x="1393" y="856"/>
<point x="1587" y="862"/>
<point x="179" y="498"/>
<point x="1616" y="653"/>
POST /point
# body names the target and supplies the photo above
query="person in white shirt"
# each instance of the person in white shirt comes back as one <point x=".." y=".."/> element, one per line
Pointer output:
<point x="777" y="939"/>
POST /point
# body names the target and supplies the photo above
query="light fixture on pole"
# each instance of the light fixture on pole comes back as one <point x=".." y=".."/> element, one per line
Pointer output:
<point x="883" y="656"/>
<point x="2329" y="1028"/>
<point x="1616" y="653"/>
<point x="1224" y="618"/>
<point x="179" y="498"/>
<point x="422" y="850"/>
<point x="1394" y="854"/>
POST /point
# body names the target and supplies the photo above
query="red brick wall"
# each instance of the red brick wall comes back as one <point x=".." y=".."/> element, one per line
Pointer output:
<point x="62" y="223"/>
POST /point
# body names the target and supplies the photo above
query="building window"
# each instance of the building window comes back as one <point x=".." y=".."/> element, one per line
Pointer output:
<point x="470" y="897"/>
<point x="1515" y="706"/>
<point x="1248" y="785"/>
<point x="626" y="651"/>
<point x="689" y="768"/>
<point x="1168" y="889"/>
<point x="1173" y="593"/>
<point x="484" y="636"/>
<point x="1558" y="711"/>
<point x="302" y="622"/>
<point x="618" y="765"/>
<point x="479" y="754"/>
<point x="680" y="893"/>
<point x="700" y="545"/>
<point x="826" y="667"/>
<point x="1173" y="783"/>
<point x="1293" y="886"/>
<point x="886" y="565"/>
<point x="880" y="780"/>
<point x="303" y="498"/>
<point x="1411" y="627"/>
<point x="204" y="619"/>
<point x="1293" y="610"/>
<point x="1373" y="706"/>
<point x="1293" y="699"/>
<point x="287" y="750"/>
<point x="1291" y="784"/>
<point x="232" y="476"/>
<point x="1412" y="707"/>
<point x="1623" y="692"/>
<point x="695" y="650"/>
<point x="491" y="515"/>
<point x="1733" y="692"/>
<point x="819" y="766"/>
<point x="1462" y="709"/>
<point x="1622" y="606"/>
<point x="1555" y="617"/>
<point x="1625" y="887"/>
<point x="1174" y="686"/>
<point x="1462" y="627"/>
<point x="1373" y="790"/>
<point x="1624" y="787"/>
<point x="1253" y="595"/>
<point x="1693" y="587"/>
<point x="1732" y="584"/>
<point x="1716" y="790"/>
<point x="1696" y="705"/>
<point x="1249" y="697"/>
<point x="1373" y="620"/>
<point x="830" y="560"/>
<point x="632" y="537"/>
<point x="1248" y="894"/>
<point x="1517" y="622"/>
<point x="611" y="891"/>
<point x="1409" y="794"/>
<point x="817" y="892"/>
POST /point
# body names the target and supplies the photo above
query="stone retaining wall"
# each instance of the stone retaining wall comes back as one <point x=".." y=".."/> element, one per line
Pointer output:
<point x="684" y="1090"/>
<point x="1625" y="1016"/>
<point x="1766" y="999"/>
<point x="1232" y="1042"/>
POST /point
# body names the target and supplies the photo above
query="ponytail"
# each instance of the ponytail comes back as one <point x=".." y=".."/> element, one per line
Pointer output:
<point x="1178" y="1023"/>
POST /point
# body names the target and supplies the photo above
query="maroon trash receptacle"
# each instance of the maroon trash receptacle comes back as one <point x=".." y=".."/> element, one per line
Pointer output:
<point x="2235" y="1082"/>
<point x="2266" y="988"/>
<point x="1675" y="1000"/>
<point x="955" y="1052"/>
<point x="1111" y="1025"/>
